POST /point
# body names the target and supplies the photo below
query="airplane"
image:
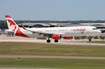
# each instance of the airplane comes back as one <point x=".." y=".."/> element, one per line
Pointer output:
<point x="52" y="32"/>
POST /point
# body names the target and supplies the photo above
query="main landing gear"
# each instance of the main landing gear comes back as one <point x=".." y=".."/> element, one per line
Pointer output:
<point x="55" y="40"/>
<point x="89" y="38"/>
<point x="48" y="40"/>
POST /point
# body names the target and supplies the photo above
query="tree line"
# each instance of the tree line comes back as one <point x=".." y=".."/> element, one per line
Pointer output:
<point x="4" y="24"/>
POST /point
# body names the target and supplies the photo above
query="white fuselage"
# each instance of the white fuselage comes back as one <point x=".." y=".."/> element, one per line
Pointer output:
<point x="64" y="31"/>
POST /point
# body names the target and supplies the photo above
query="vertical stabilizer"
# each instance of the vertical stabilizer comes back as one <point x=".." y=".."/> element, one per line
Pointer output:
<point x="13" y="27"/>
<point x="11" y="23"/>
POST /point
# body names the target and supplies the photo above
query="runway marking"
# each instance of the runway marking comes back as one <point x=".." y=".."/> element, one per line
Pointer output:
<point x="60" y="57"/>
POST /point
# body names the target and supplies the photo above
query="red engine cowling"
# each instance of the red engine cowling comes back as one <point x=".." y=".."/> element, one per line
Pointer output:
<point x="56" y="36"/>
<point x="67" y="37"/>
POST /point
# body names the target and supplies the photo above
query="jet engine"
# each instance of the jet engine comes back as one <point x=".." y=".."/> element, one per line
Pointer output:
<point x="56" y="36"/>
<point x="67" y="37"/>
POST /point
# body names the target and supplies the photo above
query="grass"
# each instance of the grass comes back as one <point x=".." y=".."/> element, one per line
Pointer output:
<point x="18" y="48"/>
<point x="53" y="63"/>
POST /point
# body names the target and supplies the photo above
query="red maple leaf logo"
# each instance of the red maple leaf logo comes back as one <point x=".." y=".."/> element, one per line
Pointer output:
<point x="12" y="23"/>
<point x="14" y="28"/>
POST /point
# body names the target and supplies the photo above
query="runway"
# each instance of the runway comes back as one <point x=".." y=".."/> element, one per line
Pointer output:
<point x="4" y="38"/>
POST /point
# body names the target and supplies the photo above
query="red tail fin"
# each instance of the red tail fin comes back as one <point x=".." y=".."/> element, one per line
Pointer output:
<point x="14" y="27"/>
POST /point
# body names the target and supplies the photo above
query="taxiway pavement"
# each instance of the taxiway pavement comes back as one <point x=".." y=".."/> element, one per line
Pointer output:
<point x="4" y="38"/>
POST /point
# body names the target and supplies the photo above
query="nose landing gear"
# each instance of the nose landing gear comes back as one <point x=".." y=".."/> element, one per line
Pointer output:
<point x="89" y="38"/>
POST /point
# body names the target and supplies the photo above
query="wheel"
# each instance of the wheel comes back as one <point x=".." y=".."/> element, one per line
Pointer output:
<point x="55" y="40"/>
<point x="89" y="39"/>
<point x="48" y="41"/>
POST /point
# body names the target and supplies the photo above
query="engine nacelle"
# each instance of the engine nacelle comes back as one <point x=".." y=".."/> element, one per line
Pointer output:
<point x="56" y="36"/>
<point x="67" y="37"/>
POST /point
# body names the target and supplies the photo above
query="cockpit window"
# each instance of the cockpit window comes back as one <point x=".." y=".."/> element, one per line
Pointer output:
<point x="94" y="29"/>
